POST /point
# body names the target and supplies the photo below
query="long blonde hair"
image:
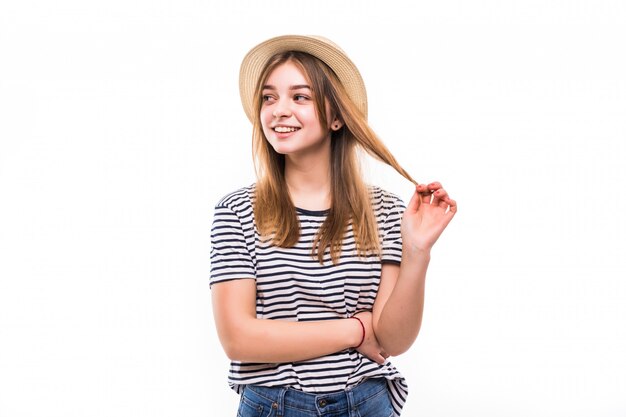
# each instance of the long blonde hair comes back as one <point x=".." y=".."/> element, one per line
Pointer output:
<point x="274" y="212"/>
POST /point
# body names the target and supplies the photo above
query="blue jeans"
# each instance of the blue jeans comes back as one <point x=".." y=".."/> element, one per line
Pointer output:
<point x="368" y="399"/>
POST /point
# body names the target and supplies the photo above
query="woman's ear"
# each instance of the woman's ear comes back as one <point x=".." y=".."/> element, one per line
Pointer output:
<point x="336" y="124"/>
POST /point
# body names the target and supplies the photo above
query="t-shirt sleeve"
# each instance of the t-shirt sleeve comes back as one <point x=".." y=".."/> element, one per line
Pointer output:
<point x="232" y="246"/>
<point x="391" y="236"/>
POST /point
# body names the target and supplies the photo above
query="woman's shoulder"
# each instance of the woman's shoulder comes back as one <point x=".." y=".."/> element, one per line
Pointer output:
<point x="238" y="199"/>
<point x="383" y="199"/>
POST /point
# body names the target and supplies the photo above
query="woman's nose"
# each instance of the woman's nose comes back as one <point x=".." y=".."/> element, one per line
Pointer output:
<point x="281" y="109"/>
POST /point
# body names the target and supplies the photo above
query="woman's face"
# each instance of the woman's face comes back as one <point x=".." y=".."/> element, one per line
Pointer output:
<point x="289" y="114"/>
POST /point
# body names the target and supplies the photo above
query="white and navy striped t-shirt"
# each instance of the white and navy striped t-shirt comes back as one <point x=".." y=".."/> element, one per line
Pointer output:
<point x="292" y="285"/>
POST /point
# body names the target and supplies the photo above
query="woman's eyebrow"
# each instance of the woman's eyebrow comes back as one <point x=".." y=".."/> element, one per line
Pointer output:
<point x="292" y="87"/>
<point x="299" y="87"/>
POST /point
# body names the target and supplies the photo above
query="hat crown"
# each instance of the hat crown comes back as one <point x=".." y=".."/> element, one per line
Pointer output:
<point x="320" y="47"/>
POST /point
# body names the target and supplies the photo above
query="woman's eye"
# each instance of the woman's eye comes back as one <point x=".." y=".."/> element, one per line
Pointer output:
<point x="300" y="97"/>
<point x="266" y="98"/>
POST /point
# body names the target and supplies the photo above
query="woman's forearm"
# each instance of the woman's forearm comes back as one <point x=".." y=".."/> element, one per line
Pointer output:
<point x="247" y="338"/>
<point x="401" y="318"/>
<point x="273" y="341"/>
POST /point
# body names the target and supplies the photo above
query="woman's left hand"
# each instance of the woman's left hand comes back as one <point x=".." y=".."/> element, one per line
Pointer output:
<point x="426" y="216"/>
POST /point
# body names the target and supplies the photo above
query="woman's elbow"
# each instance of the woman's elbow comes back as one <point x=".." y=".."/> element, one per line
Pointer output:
<point x="397" y="347"/>
<point x="396" y="351"/>
<point x="230" y="350"/>
<point x="232" y="341"/>
<point x="234" y="349"/>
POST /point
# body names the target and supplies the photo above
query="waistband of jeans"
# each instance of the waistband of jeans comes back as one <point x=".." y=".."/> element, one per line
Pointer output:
<point x="360" y="392"/>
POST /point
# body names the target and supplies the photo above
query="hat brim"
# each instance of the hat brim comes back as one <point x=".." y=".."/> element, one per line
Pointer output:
<point x="325" y="50"/>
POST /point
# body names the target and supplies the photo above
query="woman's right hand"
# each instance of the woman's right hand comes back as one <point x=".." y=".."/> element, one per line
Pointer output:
<point x="370" y="347"/>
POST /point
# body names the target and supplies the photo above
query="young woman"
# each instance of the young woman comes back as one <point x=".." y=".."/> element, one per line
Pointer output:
<point x="316" y="277"/>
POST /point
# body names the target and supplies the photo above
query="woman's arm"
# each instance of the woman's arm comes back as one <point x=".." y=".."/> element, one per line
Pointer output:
<point x="400" y="303"/>
<point x="397" y="312"/>
<point x="248" y="339"/>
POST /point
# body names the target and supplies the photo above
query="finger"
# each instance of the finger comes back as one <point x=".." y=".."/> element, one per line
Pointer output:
<point x="424" y="192"/>
<point x="414" y="203"/>
<point x="440" y="198"/>
<point x="434" y="186"/>
<point x="452" y="206"/>
<point x="379" y="359"/>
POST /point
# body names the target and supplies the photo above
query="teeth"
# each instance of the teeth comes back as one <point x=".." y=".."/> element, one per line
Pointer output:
<point x="285" y="129"/>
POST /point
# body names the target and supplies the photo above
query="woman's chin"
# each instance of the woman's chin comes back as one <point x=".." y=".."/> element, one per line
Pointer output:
<point x="281" y="150"/>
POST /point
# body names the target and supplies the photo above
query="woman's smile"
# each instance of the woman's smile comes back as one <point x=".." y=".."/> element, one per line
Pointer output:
<point x="284" y="132"/>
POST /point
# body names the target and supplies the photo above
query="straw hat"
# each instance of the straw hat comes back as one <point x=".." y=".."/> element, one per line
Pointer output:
<point x="320" y="47"/>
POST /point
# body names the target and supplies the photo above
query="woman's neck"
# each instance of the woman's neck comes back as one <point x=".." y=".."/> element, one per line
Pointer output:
<point x="309" y="182"/>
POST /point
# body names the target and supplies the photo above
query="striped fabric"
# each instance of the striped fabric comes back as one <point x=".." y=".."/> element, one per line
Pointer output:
<point x="292" y="285"/>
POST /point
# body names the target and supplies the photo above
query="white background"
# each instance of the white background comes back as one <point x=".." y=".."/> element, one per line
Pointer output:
<point x="121" y="127"/>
